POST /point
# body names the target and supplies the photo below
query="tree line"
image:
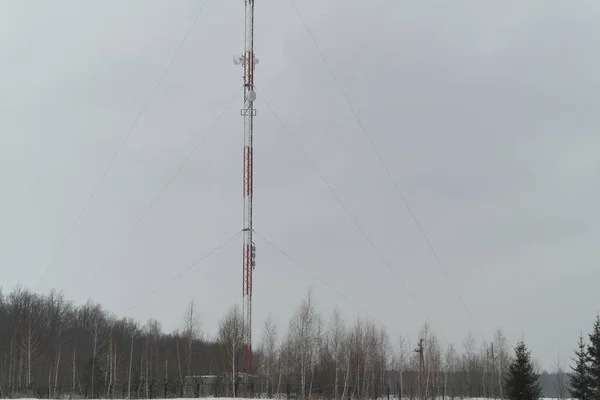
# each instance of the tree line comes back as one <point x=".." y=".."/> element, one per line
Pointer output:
<point x="50" y="348"/>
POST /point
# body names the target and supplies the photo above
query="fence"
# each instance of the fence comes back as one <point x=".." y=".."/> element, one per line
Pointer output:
<point x="218" y="388"/>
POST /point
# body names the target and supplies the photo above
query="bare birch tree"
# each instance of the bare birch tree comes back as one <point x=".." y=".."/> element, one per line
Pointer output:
<point x="191" y="331"/>
<point x="449" y="367"/>
<point x="269" y="344"/>
<point x="560" y="380"/>
<point x="29" y="347"/>
<point x="97" y="343"/>
<point x="469" y="361"/>
<point x="337" y="337"/>
<point x="231" y="336"/>
<point x="501" y="358"/>
<point x="301" y="334"/>
<point x="403" y="359"/>
<point x="130" y="368"/>
<point x="432" y="358"/>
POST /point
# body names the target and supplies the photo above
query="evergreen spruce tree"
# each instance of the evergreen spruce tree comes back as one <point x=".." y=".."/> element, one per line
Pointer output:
<point x="580" y="379"/>
<point x="593" y="358"/>
<point x="522" y="381"/>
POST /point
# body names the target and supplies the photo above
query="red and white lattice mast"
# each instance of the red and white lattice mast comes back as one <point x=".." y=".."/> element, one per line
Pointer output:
<point x="248" y="61"/>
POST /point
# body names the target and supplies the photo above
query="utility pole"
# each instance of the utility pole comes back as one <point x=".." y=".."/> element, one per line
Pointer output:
<point x="419" y="351"/>
<point x="248" y="61"/>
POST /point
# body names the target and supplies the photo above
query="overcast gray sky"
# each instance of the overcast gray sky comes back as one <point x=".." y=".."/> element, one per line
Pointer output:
<point x="486" y="114"/>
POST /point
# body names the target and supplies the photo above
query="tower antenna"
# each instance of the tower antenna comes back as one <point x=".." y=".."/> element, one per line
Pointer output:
<point x="248" y="62"/>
